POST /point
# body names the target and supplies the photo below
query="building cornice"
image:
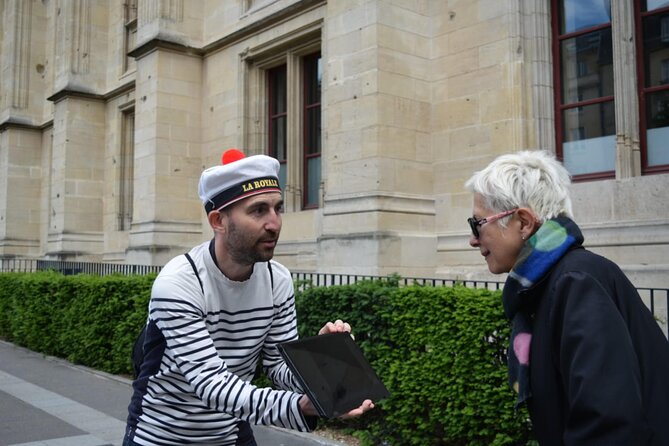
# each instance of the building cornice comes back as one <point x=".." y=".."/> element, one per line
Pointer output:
<point x="25" y="124"/>
<point x="262" y="24"/>
<point x="161" y="44"/>
<point x="13" y="123"/>
<point x="71" y="92"/>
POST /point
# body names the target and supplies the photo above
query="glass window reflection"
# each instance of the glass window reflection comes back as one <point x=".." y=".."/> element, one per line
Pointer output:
<point x="312" y="129"/>
<point x="657" y="125"/>
<point x="587" y="67"/>
<point x="581" y="14"/>
<point x="656" y="50"/>
<point x="589" y="138"/>
<point x="650" y="5"/>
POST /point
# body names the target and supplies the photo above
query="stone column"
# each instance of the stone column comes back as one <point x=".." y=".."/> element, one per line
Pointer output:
<point x="167" y="214"/>
<point x="21" y="47"/>
<point x="76" y="176"/>
<point x="22" y="62"/>
<point x="76" y="179"/>
<point x="173" y="21"/>
<point x="20" y="175"/>
<point x="80" y="46"/>
<point x="628" y="152"/>
<point x="531" y="34"/>
<point x="16" y="54"/>
<point x="378" y="213"/>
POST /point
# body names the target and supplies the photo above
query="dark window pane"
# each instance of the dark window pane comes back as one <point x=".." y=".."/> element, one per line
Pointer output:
<point x="589" y="138"/>
<point x="581" y="14"/>
<point x="278" y="141"/>
<point x="313" y="181"/>
<point x="277" y="87"/>
<point x="313" y="74"/>
<point x="587" y="67"/>
<point x="657" y="133"/>
<point x="656" y="49"/>
<point x="313" y="131"/>
<point x="596" y="120"/>
<point x="277" y="112"/>
<point x="650" y="5"/>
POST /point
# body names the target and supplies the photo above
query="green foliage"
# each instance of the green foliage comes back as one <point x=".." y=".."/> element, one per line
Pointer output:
<point x="439" y="350"/>
<point x="87" y="319"/>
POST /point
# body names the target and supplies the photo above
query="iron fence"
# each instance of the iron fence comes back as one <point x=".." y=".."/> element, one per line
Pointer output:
<point x="327" y="279"/>
<point x="657" y="299"/>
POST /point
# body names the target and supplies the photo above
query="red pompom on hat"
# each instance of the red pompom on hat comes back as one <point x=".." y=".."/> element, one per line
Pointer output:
<point x="231" y="155"/>
<point x="239" y="177"/>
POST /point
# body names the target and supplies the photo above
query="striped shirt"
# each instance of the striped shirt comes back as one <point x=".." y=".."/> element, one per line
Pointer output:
<point x="201" y="351"/>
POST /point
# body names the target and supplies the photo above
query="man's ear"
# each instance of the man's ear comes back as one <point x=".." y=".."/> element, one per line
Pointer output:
<point x="529" y="223"/>
<point x="216" y="221"/>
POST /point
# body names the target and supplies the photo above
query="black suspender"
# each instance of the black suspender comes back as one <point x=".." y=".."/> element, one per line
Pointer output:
<point x="192" y="264"/>
<point x="271" y="276"/>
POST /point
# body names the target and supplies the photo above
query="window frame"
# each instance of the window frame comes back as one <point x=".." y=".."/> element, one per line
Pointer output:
<point x="129" y="34"/>
<point x="559" y="106"/>
<point x="271" y="117"/>
<point x="254" y="106"/>
<point x="126" y="169"/>
<point x="642" y="90"/>
<point x="306" y="156"/>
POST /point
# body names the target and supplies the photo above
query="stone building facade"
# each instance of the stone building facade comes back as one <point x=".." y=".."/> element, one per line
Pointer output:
<point x="379" y="110"/>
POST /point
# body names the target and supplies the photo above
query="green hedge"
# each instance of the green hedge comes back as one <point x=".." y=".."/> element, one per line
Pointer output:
<point x="86" y="319"/>
<point x="439" y="350"/>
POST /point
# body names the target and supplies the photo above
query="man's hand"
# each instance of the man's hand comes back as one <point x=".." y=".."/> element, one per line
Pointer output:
<point x="366" y="405"/>
<point x="308" y="409"/>
<point x="335" y="327"/>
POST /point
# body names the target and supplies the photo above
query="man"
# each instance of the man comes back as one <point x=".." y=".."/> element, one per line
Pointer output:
<point x="214" y="313"/>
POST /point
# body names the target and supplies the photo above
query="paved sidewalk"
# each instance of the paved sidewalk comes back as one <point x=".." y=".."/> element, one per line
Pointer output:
<point x="47" y="401"/>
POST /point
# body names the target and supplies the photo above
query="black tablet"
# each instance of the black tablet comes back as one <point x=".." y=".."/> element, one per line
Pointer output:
<point x="333" y="372"/>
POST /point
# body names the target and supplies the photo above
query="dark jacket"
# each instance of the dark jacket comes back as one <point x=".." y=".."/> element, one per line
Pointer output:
<point x="599" y="368"/>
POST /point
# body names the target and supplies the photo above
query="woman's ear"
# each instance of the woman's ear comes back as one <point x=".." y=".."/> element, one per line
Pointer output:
<point x="529" y="223"/>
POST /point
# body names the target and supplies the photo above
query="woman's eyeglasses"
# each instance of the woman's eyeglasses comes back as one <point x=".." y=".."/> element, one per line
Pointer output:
<point x="474" y="223"/>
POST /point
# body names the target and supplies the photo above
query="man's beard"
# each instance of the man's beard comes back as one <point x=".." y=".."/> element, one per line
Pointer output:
<point x="243" y="250"/>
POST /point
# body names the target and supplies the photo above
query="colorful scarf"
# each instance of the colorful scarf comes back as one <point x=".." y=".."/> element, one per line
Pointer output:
<point x="543" y="250"/>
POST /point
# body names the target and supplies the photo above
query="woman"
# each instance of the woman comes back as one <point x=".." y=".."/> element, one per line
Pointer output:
<point x="586" y="355"/>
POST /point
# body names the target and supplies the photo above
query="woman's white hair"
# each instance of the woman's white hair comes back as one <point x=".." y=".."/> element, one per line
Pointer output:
<point x="532" y="179"/>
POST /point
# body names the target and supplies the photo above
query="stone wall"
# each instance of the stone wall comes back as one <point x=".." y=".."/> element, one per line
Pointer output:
<point x="101" y="149"/>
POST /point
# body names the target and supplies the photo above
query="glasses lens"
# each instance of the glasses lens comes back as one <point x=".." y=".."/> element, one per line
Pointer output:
<point x="474" y="225"/>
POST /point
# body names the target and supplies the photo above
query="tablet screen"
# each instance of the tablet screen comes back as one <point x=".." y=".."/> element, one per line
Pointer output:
<point x="334" y="373"/>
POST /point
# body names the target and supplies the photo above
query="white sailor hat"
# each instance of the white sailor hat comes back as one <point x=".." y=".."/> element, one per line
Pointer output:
<point x="237" y="178"/>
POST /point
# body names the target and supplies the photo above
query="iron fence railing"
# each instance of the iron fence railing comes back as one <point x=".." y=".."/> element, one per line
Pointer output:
<point x="657" y="299"/>
<point x="327" y="279"/>
<point x="68" y="268"/>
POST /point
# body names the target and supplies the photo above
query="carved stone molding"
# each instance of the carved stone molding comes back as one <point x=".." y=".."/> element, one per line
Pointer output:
<point x="533" y="27"/>
<point x="72" y="92"/>
<point x="73" y="35"/>
<point x="172" y="10"/>
<point x="628" y="154"/>
<point x="18" y="19"/>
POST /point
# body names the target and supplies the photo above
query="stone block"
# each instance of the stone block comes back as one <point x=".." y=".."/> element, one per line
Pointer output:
<point x="478" y="82"/>
<point x="457" y="113"/>
<point x="478" y="34"/>
<point x="408" y="41"/>
<point x="460" y="63"/>
<point x="411" y="17"/>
